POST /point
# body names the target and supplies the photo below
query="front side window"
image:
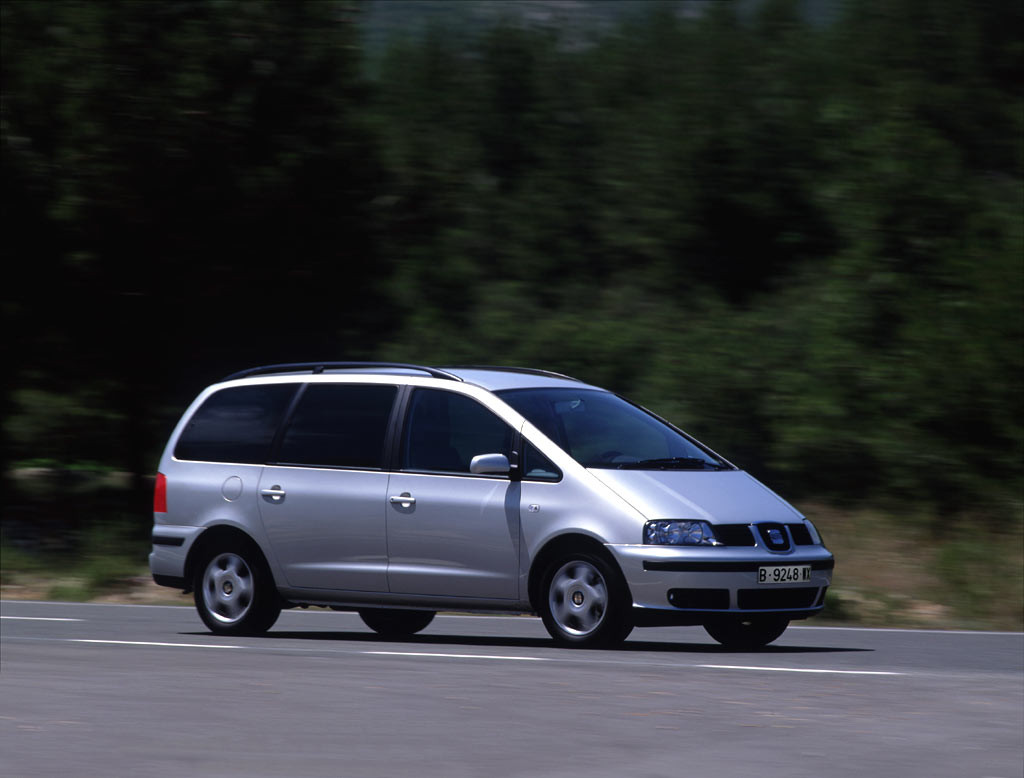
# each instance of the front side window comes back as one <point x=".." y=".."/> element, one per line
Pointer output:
<point x="235" y="425"/>
<point x="600" y="429"/>
<point x="444" y="431"/>
<point x="536" y="466"/>
<point x="339" y="425"/>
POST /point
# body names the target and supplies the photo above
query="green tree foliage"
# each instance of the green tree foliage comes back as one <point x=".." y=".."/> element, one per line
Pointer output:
<point x="801" y="241"/>
<point x="177" y="175"/>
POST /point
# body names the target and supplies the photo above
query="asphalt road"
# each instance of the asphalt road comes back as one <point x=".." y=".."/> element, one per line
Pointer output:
<point x="107" y="690"/>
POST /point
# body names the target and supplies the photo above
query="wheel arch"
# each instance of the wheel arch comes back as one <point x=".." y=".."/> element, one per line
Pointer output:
<point x="222" y="536"/>
<point x="563" y="545"/>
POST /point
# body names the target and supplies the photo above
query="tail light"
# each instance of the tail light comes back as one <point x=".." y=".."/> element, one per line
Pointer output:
<point x="160" y="494"/>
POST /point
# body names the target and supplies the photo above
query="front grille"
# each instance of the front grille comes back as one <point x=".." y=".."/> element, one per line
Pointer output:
<point x="776" y="599"/>
<point x="801" y="535"/>
<point x="733" y="534"/>
<point x="699" y="599"/>
<point x="774" y="536"/>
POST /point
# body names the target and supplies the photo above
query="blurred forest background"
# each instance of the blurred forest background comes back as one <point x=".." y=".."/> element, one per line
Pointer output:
<point x="794" y="228"/>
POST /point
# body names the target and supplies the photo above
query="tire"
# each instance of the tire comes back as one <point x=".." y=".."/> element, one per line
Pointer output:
<point x="746" y="634"/>
<point x="584" y="602"/>
<point x="235" y="594"/>
<point x="395" y="623"/>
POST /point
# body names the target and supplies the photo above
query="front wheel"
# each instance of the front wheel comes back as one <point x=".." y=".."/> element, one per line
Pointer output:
<point x="747" y="634"/>
<point x="584" y="602"/>
<point x="395" y="623"/>
<point x="235" y="593"/>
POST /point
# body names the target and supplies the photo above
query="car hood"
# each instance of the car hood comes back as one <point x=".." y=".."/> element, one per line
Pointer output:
<point x="723" y="497"/>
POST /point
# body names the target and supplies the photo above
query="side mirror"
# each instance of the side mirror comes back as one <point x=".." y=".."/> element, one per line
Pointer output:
<point x="490" y="464"/>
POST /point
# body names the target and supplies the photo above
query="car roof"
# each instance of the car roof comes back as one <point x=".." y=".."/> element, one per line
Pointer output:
<point x="496" y="379"/>
<point x="491" y="378"/>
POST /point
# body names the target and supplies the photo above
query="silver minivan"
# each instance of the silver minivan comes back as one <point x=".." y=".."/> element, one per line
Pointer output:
<point x="399" y="490"/>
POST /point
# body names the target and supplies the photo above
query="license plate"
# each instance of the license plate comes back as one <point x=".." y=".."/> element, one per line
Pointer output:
<point x="780" y="575"/>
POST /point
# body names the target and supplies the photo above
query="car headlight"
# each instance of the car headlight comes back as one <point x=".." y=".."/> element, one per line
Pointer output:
<point x="679" y="532"/>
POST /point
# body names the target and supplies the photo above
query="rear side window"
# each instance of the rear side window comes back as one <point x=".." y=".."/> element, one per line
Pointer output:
<point x="444" y="431"/>
<point x="235" y="425"/>
<point x="338" y="425"/>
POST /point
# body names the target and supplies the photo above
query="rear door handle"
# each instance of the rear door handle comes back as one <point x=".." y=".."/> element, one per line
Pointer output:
<point x="274" y="494"/>
<point x="404" y="499"/>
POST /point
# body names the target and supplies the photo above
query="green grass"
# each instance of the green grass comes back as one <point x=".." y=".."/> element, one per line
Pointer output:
<point x="101" y="560"/>
<point x="895" y="571"/>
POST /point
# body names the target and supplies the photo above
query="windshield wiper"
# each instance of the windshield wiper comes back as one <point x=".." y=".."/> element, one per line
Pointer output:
<point x="672" y="463"/>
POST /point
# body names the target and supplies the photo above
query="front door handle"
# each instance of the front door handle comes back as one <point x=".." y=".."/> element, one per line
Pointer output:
<point x="274" y="494"/>
<point x="404" y="499"/>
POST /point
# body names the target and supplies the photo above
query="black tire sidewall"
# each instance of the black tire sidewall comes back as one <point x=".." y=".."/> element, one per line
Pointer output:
<point x="266" y="604"/>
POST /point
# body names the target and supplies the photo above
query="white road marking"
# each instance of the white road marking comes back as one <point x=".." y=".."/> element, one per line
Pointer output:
<point x="456" y="656"/>
<point x="279" y="649"/>
<point x="798" y="670"/>
<point x="147" y="643"/>
<point x="37" y="618"/>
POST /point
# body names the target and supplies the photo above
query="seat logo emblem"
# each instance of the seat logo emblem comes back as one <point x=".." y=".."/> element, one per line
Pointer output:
<point x="533" y="508"/>
<point x="775" y="537"/>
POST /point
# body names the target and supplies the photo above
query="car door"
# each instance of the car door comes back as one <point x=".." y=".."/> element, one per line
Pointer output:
<point x="322" y="501"/>
<point x="452" y="533"/>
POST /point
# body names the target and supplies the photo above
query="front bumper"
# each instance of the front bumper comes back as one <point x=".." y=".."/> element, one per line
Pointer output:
<point x="672" y="584"/>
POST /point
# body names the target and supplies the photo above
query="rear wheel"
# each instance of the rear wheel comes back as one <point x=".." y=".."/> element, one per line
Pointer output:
<point x="584" y="602"/>
<point x="747" y="633"/>
<point x="235" y="593"/>
<point x="395" y="623"/>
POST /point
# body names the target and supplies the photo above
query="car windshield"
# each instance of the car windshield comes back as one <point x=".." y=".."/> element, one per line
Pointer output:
<point x="600" y="429"/>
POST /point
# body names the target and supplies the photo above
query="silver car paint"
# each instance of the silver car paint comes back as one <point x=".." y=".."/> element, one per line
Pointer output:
<point x="195" y="495"/>
<point x="459" y="539"/>
<point x="438" y="559"/>
<point x="578" y="504"/>
<point x="327" y="531"/>
<point x="723" y="497"/>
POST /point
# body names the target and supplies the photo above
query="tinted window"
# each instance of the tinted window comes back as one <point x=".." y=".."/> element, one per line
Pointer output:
<point x="444" y="431"/>
<point x="235" y="425"/>
<point x="600" y="429"/>
<point x="537" y="467"/>
<point x="339" y="425"/>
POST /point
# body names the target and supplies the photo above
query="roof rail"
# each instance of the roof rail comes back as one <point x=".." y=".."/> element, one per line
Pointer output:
<point x="526" y="370"/>
<point x="319" y="367"/>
